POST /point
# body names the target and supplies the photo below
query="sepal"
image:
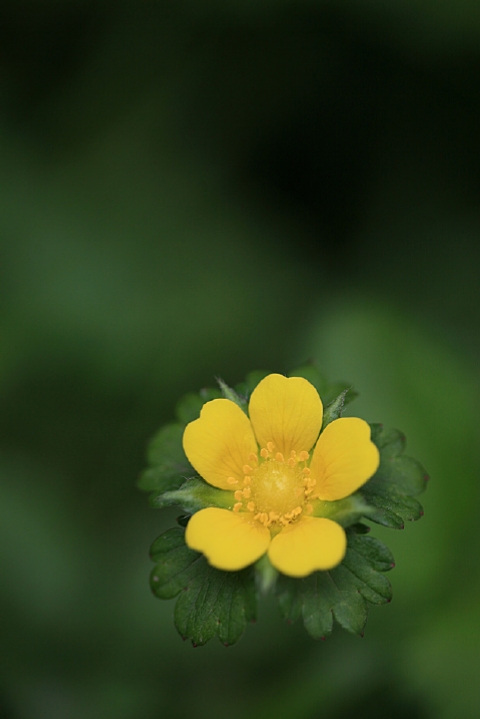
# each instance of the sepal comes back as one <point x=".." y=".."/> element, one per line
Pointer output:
<point x="193" y="495"/>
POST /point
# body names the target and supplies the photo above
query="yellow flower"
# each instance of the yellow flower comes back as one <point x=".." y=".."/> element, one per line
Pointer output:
<point x="277" y="479"/>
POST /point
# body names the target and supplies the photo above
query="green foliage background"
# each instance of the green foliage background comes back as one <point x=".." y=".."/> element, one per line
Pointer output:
<point x="203" y="188"/>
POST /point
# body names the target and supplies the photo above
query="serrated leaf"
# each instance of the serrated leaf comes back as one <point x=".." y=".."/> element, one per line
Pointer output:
<point x="211" y="602"/>
<point x="399" y="478"/>
<point x="169" y="465"/>
<point x="341" y="593"/>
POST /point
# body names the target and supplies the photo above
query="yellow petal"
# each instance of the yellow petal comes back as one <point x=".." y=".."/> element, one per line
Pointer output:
<point x="228" y="540"/>
<point x="218" y="443"/>
<point x="344" y="459"/>
<point x="286" y="411"/>
<point x="308" y="545"/>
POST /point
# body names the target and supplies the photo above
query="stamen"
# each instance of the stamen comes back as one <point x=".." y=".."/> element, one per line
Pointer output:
<point x="279" y="457"/>
<point x="253" y="458"/>
<point x="232" y="480"/>
<point x="251" y="507"/>
<point x="247" y="479"/>
<point x="247" y="492"/>
<point x="264" y="453"/>
<point x="238" y="495"/>
<point x="237" y="507"/>
<point x="306" y="471"/>
<point x="309" y="508"/>
<point x="247" y="469"/>
<point x="303" y="456"/>
<point x="292" y="462"/>
<point x="273" y="516"/>
<point x="270" y="446"/>
<point x="293" y="454"/>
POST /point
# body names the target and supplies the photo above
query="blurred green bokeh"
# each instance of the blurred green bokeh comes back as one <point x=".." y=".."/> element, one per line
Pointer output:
<point x="204" y="188"/>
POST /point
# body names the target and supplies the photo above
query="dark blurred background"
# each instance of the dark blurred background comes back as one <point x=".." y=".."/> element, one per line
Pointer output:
<point x="203" y="188"/>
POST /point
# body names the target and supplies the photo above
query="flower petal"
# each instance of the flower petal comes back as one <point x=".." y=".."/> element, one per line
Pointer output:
<point x="218" y="443"/>
<point x="227" y="539"/>
<point x="286" y="411"/>
<point x="344" y="459"/>
<point x="308" y="545"/>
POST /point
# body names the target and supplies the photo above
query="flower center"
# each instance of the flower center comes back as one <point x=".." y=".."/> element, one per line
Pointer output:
<point x="275" y="490"/>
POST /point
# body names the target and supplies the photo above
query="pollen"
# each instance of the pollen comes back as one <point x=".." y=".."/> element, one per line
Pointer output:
<point x="276" y="490"/>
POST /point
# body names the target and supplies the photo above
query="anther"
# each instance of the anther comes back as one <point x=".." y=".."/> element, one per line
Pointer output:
<point x="279" y="457"/>
<point x="232" y="480"/>
<point x="253" y="457"/>
<point x="292" y="462"/>
<point x="238" y="495"/>
<point x="247" y="469"/>
<point x="237" y="507"/>
<point x="309" y="508"/>
<point x="306" y="471"/>
<point x="293" y="454"/>
<point x="251" y="507"/>
<point x="247" y="479"/>
<point x="270" y="446"/>
<point x="303" y="456"/>
<point x="264" y="453"/>
<point x="247" y="492"/>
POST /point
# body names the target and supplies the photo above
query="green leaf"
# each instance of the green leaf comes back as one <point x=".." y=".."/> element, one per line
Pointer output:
<point x="211" y="602"/>
<point x="168" y="463"/>
<point x="391" y="491"/>
<point x="194" y="494"/>
<point x="342" y="593"/>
